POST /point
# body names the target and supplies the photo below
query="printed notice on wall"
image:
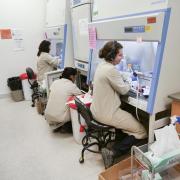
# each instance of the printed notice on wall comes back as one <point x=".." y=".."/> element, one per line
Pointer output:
<point x="92" y="38"/>
<point x="83" y="26"/>
<point x="5" y="34"/>
<point x="18" y="39"/>
<point x="95" y="8"/>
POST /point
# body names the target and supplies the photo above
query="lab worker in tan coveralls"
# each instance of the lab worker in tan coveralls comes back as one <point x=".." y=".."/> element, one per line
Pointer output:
<point x="45" y="62"/>
<point x="57" y="112"/>
<point x="105" y="107"/>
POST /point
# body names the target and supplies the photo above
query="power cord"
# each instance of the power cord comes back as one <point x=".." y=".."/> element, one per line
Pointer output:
<point x="137" y="98"/>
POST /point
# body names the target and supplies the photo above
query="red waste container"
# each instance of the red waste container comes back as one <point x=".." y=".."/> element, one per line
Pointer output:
<point x="26" y="86"/>
<point x="78" y="129"/>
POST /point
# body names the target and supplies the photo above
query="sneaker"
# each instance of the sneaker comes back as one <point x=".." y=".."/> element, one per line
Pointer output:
<point x="55" y="127"/>
<point x="108" y="157"/>
<point x="66" y="128"/>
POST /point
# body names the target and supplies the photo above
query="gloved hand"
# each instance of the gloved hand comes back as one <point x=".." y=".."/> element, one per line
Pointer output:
<point x="126" y="76"/>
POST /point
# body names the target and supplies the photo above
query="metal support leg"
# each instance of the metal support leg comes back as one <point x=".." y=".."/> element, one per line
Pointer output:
<point x="151" y="128"/>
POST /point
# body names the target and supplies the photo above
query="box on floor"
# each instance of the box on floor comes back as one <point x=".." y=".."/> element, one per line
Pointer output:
<point x="122" y="171"/>
<point x="123" y="168"/>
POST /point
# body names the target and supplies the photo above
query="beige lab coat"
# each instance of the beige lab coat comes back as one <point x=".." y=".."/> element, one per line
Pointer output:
<point x="108" y="85"/>
<point x="45" y="63"/>
<point x="56" y="110"/>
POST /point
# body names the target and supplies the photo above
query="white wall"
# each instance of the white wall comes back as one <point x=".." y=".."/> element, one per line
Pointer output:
<point x="28" y="15"/>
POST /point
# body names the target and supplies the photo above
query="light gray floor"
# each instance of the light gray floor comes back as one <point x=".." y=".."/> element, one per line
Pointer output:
<point x="30" y="151"/>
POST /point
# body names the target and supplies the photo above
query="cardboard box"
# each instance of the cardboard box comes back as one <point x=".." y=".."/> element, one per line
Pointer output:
<point x="175" y="119"/>
<point x="122" y="171"/>
<point x="175" y="110"/>
<point x="178" y="128"/>
<point x="123" y="168"/>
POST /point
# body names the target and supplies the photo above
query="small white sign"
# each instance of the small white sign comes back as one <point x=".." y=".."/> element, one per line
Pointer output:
<point x="83" y="26"/>
<point x="18" y="39"/>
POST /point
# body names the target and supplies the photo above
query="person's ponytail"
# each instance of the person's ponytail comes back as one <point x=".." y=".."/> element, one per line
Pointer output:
<point x="101" y="55"/>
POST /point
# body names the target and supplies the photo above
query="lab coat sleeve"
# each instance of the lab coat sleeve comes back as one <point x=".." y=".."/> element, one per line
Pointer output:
<point x="116" y="81"/>
<point x="52" y="61"/>
<point x="76" y="90"/>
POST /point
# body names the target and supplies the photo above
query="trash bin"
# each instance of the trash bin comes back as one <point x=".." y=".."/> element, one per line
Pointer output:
<point x="26" y="87"/>
<point x="15" y="85"/>
<point x="78" y="129"/>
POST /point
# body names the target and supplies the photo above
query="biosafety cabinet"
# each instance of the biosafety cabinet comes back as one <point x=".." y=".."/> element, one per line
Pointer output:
<point x="57" y="37"/>
<point x="105" y="9"/>
<point x="58" y="30"/>
<point x="81" y="16"/>
<point x="151" y="63"/>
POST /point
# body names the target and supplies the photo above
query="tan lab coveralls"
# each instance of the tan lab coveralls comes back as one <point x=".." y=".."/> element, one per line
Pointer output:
<point x="45" y="63"/>
<point x="108" y="85"/>
<point x="56" y="110"/>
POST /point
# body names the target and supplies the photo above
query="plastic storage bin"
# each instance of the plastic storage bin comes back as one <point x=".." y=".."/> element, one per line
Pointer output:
<point x="159" y="169"/>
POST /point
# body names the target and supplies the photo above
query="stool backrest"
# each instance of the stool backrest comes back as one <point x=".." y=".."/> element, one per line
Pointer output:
<point x="84" y="111"/>
<point x="30" y="73"/>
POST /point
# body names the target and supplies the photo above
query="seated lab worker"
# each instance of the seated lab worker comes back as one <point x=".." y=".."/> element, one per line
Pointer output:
<point x="57" y="112"/>
<point x="45" y="62"/>
<point x="105" y="107"/>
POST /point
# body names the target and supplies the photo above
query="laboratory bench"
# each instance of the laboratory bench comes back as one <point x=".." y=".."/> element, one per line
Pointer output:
<point x="150" y="122"/>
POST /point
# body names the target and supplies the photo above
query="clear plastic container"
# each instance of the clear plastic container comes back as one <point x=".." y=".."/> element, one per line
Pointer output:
<point x="155" y="169"/>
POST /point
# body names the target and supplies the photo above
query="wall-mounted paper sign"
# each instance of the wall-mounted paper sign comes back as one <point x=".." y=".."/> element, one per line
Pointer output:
<point x="83" y="26"/>
<point x="18" y="39"/>
<point x="5" y="34"/>
<point x="92" y="38"/>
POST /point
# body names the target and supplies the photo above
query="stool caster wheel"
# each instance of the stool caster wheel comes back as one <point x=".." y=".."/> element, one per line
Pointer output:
<point x="85" y="144"/>
<point x="81" y="160"/>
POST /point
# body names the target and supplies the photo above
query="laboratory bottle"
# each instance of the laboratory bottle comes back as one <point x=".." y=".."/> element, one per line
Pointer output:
<point x="129" y="68"/>
<point x="124" y="64"/>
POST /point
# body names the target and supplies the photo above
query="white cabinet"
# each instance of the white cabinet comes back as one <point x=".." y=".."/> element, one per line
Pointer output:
<point x="55" y="12"/>
<point x="104" y="9"/>
<point x="80" y="19"/>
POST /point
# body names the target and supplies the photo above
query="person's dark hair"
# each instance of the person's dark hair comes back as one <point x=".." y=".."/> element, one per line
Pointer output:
<point x="44" y="47"/>
<point x="110" y="50"/>
<point x="68" y="71"/>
